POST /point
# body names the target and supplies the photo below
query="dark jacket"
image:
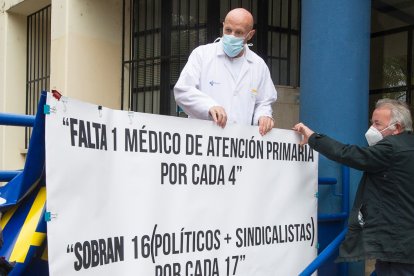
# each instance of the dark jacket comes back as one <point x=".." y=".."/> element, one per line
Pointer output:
<point x="384" y="200"/>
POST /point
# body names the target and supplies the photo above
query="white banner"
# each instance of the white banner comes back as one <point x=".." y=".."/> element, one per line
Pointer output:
<point x="140" y="194"/>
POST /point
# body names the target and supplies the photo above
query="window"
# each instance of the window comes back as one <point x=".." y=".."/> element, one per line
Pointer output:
<point x="389" y="73"/>
<point x="391" y="67"/>
<point x="38" y="59"/>
<point x="158" y="37"/>
<point x="283" y="41"/>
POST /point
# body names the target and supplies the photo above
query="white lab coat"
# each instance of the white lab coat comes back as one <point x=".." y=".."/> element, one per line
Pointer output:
<point x="206" y="81"/>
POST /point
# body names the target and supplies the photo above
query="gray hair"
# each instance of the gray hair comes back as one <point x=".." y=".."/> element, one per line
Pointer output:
<point x="400" y="113"/>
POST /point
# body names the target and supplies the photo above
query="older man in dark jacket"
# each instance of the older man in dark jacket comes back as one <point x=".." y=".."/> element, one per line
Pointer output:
<point x="381" y="222"/>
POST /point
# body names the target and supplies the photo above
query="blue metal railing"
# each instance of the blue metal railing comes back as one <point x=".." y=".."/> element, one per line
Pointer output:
<point x="341" y="216"/>
<point x="6" y="176"/>
<point x="9" y="119"/>
<point x="345" y="196"/>
<point x="327" y="181"/>
<point x="324" y="255"/>
<point x="22" y="194"/>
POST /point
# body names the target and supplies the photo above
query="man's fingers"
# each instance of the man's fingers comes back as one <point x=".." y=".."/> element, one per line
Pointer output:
<point x="219" y="116"/>
<point x="265" y="125"/>
<point x="298" y="127"/>
<point x="222" y="121"/>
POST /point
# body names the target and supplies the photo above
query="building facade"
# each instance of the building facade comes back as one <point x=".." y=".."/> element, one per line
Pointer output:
<point x="329" y="59"/>
<point x="128" y="54"/>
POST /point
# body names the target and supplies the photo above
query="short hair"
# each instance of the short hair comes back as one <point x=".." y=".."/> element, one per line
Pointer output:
<point x="400" y="113"/>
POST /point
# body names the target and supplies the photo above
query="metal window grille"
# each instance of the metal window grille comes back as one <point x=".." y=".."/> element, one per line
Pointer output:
<point x="38" y="60"/>
<point x="277" y="38"/>
<point x="283" y="41"/>
<point x="158" y="37"/>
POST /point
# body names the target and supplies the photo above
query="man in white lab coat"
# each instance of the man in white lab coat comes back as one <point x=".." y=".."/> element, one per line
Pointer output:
<point x="225" y="81"/>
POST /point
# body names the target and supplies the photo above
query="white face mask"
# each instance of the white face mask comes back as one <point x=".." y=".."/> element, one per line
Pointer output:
<point x="373" y="135"/>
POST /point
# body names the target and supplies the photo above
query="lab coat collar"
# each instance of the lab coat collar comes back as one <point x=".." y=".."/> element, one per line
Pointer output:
<point x="248" y="53"/>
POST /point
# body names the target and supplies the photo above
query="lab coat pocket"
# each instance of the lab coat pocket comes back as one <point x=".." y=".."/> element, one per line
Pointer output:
<point x="251" y="102"/>
<point x="243" y="105"/>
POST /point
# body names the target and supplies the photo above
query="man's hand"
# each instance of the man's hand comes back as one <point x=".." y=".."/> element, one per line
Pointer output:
<point x="219" y="115"/>
<point x="305" y="131"/>
<point x="265" y="125"/>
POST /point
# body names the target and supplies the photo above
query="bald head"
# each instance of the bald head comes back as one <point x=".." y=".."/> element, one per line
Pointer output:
<point x="240" y="16"/>
<point x="239" y="22"/>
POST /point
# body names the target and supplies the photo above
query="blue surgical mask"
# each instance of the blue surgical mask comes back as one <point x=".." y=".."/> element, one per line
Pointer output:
<point x="232" y="45"/>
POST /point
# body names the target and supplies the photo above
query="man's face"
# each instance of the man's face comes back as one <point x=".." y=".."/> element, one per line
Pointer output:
<point x="381" y="119"/>
<point x="238" y="29"/>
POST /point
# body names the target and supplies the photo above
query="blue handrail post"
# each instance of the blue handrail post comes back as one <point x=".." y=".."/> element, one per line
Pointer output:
<point x="345" y="189"/>
<point x="344" y="267"/>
